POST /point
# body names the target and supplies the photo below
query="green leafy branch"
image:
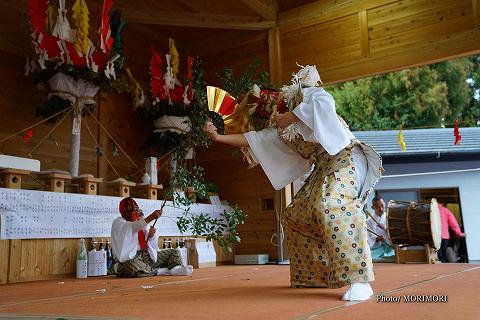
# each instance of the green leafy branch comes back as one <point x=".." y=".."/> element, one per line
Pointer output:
<point x="223" y="229"/>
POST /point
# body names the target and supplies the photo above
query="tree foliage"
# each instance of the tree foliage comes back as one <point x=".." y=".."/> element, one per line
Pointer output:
<point x="428" y="96"/>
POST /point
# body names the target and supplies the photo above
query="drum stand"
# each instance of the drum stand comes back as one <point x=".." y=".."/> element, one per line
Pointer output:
<point x="426" y="255"/>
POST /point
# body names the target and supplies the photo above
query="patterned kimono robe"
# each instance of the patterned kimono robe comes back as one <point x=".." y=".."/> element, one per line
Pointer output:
<point x="324" y="225"/>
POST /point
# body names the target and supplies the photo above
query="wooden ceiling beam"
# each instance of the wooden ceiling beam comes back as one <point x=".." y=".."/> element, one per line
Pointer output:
<point x="324" y="10"/>
<point x="267" y="9"/>
<point x="196" y="20"/>
<point x="222" y="43"/>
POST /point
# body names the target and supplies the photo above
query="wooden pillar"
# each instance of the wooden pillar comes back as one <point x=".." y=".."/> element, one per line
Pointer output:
<point x="363" y="26"/>
<point x="274" y="55"/>
<point x="13" y="177"/>
<point x="102" y="138"/>
<point x="476" y="12"/>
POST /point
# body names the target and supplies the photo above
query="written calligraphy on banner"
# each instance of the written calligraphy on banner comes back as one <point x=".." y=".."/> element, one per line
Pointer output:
<point x="28" y="214"/>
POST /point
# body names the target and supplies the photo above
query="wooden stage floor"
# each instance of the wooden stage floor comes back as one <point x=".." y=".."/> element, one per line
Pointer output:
<point x="247" y="292"/>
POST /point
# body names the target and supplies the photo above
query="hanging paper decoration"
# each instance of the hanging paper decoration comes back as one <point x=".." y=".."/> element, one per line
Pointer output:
<point x="115" y="152"/>
<point x="157" y="83"/>
<point x="54" y="40"/>
<point x="50" y="19"/>
<point x="80" y="16"/>
<point x="37" y="12"/>
<point x="106" y="40"/>
<point x="117" y="25"/>
<point x="136" y="90"/>
<point x="174" y="59"/>
<point x="189" y="88"/>
<point x="456" y="133"/>
<point x="62" y="28"/>
<point x="402" y="144"/>
<point x="27" y="136"/>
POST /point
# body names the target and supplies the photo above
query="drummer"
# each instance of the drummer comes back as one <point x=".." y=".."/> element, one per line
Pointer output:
<point x="378" y="240"/>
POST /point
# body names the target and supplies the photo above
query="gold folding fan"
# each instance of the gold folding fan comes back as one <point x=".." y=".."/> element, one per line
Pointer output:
<point x="221" y="105"/>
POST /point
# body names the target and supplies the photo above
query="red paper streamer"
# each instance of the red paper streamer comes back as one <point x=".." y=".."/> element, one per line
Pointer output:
<point x="105" y="25"/>
<point x="157" y="83"/>
<point x="190" y="77"/>
<point x="37" y="12"/>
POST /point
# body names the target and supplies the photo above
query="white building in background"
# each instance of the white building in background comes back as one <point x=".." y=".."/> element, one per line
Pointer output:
<point x="433" y="166"/>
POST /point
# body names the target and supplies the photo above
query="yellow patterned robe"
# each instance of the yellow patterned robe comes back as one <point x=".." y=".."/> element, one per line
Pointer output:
<point x="324" y="225"/>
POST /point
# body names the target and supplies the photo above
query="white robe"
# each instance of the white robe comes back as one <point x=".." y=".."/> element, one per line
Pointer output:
<point x="320" y="124"/>
<point x="125" y="242"/>
<point x="372" y="239"/>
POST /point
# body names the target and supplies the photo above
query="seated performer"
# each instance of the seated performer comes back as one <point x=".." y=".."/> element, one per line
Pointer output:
<point x="136" y="249"/>
<point x="378" y="241"/>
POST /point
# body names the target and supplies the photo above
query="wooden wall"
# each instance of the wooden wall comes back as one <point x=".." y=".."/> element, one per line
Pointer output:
<point x="354" y="39"/>
<point x="36" y="259"/>
<point x="247" y="188"/>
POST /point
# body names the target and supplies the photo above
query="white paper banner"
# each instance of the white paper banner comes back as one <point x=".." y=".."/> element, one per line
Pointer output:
<point x="27" y="214"/>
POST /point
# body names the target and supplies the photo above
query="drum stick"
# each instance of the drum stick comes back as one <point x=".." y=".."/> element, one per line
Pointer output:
<point x="161" y="208"/>
<point x="373" y="232"/>
<point x="371" y="217"/>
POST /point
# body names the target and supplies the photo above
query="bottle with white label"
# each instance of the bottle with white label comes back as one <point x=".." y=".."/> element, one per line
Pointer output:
<point x="82" y="260"/>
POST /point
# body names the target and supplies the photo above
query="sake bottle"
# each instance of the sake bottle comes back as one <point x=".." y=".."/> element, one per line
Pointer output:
<point x="94" y="244"/>
<point x="101" y="245"/>
<point x="82" y="260"/>
<point x="169" y="243"/>
<point x="164" y="243"/>
<point x="108" y="249"/>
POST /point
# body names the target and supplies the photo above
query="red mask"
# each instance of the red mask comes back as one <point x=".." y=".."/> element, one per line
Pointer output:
<point x="129" y="211"/>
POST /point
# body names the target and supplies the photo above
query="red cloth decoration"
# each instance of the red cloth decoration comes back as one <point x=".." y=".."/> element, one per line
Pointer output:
<point x="157" y="83"/>
<point x="37" y="12"/>
<point x="456" y="133"/>
<point x="190" y="77"/>
<point x="129" y="210"/>
<point x="27" y="136"/>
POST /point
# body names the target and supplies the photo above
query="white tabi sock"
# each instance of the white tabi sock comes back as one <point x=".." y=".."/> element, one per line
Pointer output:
<point x="358" y="291"/>
<point x="163" y="272"/>
<point x="181" y="270"/>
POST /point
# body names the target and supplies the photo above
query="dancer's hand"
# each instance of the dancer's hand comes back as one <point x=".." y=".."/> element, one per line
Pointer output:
<point x="154" y="215"/>
<point x="211" y="130"/>
<point x="151" y="232"/>
<point x="283" y="120"/>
